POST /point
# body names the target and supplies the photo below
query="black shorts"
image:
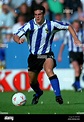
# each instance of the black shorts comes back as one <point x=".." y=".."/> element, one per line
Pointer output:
<point x="76" y="56"/>
<point x="35" y="62"/>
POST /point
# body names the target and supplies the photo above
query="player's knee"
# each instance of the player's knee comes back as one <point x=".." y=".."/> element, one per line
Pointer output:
<point x="49" y="72"/>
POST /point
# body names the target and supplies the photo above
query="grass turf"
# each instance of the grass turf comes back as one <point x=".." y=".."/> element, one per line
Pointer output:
<point x="73" y="103"/>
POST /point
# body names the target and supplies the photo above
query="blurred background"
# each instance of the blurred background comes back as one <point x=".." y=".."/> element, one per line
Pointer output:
<point x="13" y="57"/>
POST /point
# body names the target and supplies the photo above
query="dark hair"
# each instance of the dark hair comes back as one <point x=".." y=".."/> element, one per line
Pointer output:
<point x="39" y="7"/>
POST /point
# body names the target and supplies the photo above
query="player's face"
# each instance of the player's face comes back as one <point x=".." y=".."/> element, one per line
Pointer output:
<point x="39" y="16"/>
<point x="76" y="25"/>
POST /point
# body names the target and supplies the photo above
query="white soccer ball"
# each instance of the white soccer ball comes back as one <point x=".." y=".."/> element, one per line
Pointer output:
<point x="19" y="99"/>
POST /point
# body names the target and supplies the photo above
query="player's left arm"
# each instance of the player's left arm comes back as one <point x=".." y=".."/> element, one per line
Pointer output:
<point x="68" y="26"/>
<point x="76" y="40"/>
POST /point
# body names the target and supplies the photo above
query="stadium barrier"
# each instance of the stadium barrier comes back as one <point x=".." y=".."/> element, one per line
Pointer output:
<point x="16" y="55"/>
<point x="18" y="80"/>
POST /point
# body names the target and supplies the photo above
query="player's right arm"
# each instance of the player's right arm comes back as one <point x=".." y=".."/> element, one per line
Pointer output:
<point x="19" y="35"/>
<point x="18" y="39"/>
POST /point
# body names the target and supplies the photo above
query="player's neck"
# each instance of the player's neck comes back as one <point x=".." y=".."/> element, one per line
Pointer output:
<point x="41" y="22"/>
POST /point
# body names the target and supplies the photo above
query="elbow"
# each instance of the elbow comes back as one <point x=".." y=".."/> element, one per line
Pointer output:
<point x="70" y="27"/>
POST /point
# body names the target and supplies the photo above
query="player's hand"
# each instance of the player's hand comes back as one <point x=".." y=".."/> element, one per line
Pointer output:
<point x="78" y="42"/>
<point x="18" y="40"/>
<point x="59" y="59"/>
<point x="21" y="41"/>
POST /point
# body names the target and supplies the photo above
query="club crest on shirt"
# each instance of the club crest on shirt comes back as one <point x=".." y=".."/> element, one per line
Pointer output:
<point x="46" y="30"/>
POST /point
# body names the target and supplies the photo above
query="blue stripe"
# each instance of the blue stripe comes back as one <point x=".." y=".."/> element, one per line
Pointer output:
<point x="31" y="32"/>
<point x="78" y="47"/>
<point x="71" y="42"/>
<point x="22" y="29"/>
<point x="82" y="36"/>
<point x="38" y="40"/>
<point x="51" y="40"/>
<point x="67" y="38"/>
<point x="47" y="37"/>
<point x="17" y="32"/>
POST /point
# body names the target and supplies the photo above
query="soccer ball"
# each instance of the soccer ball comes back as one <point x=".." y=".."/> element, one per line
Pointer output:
<point x="19" y="99"/>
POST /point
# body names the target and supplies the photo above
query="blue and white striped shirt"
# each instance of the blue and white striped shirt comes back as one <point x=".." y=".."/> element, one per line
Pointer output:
<point x="70" y="41"/>
<point x="41" y="37"/>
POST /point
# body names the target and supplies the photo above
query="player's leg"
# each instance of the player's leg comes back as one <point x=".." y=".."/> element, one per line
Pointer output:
<point x="48" y="67"/>
<point x="34" y="68"/>
<point x="76" y="59"/>
<point x="35" y="86"/>
<point x="34" y="82"/>
<point x="77" y="69"/>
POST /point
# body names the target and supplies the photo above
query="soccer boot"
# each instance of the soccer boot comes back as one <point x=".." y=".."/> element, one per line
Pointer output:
<point x="79" y="90"/>
<point x="77" y="87"/>
<point x="36" y="98"/>
<point x="59" y="99"/>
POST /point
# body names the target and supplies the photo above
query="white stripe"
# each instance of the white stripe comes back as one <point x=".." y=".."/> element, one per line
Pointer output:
<point x="67" y="35"/>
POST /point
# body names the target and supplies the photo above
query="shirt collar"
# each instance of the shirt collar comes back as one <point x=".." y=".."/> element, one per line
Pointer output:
<point x="39" y="25"/>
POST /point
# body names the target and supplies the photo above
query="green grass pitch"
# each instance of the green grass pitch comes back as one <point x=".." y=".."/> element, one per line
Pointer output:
<point x="73" y="103"/>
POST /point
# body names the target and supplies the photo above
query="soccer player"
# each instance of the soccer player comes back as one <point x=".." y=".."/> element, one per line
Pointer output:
<point x="75" y="53"/>
<point x="41" y="32"/>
